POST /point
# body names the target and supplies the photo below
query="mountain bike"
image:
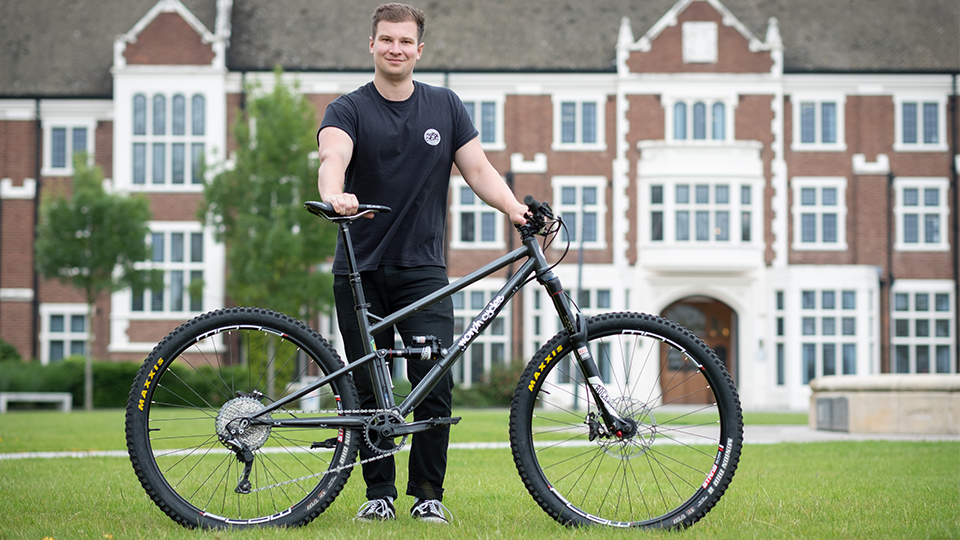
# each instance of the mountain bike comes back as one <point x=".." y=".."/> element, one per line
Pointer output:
<point x="246" y="417"/>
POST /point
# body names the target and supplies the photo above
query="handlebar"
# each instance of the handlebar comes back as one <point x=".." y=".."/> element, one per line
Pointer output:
<point x="538" y="219"/>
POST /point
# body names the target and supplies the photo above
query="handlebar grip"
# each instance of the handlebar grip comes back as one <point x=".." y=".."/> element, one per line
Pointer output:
<point x="532" y="204"/>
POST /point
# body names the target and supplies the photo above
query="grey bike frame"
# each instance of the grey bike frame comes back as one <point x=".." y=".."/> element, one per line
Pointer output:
<point x="535" y="264"/>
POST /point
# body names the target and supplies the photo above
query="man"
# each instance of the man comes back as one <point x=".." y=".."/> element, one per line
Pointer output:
<point x="393" y="141"/>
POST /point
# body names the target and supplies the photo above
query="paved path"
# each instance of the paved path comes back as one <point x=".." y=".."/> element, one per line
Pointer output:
<point x="783" y="434"/>
<point x="751" y="435"/>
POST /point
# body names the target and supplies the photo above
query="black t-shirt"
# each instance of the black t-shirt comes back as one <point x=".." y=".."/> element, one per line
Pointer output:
<point x="402" y="157"/>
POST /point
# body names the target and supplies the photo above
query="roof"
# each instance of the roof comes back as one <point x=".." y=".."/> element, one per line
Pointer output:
<point x="562" y="35"/>
<point x="65" y="47"/>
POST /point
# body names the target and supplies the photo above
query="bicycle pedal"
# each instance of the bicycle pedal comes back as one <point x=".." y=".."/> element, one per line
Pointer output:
<point x="445" y="421"/>
<point x="330" y="443"/>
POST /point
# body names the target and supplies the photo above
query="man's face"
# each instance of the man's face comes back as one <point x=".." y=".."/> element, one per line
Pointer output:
<point x="395" y="48"/>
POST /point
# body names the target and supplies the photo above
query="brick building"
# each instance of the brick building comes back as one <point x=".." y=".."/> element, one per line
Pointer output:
<point x="778" y="176"/>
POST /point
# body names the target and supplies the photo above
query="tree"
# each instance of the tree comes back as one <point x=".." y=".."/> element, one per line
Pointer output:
<point x="255" y="204"/>
<point x="93" y="240"/>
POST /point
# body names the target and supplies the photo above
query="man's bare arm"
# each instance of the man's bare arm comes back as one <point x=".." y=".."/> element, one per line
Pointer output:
<point x="336" y="148"/>
<point x="487" y="183"/>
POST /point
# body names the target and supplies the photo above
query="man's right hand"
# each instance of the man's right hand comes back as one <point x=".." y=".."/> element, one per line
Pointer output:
<point x="344" y="204"/>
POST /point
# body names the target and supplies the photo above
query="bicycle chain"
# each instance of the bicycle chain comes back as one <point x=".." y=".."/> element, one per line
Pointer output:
<point x="335" y="470"/>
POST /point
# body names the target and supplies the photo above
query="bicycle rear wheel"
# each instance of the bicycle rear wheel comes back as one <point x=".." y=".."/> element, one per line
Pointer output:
<point x="679" y="462"/>
<point x="203" y="379"/>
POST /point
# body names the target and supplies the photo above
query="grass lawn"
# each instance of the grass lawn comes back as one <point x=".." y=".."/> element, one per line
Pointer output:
<point x="813" y="490"/>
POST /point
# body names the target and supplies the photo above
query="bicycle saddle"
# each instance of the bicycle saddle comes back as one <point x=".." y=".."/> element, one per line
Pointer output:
<point x="326" y="211"/>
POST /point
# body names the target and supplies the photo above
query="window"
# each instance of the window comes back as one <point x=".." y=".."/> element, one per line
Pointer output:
<point x="818" y="123"/>
<point x="592" y="301"/>
<point x="781" y="372"/>
<point x="920" y="123"/>
<point x="475" y="225"/>
<point x="168" y="130"/>
<point x="922" y="327"/>
<point x="578" y="124"/>
<point x="180" y="255"/>
<point x="702" y="212"/>
<point x="485" y="116"/>
<point x="698" y="120"/>
<point x="64" y="331"/>
<point x="828" y="332"/>
<point x="491" y="347"/>
<point x="63" y="139"/>
<point x="819" y="214"/>
<point x="921" y="211"/>
<point x="580" y="202"/>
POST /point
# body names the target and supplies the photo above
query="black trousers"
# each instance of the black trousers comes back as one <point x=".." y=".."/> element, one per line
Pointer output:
<point x="388" y="289"/>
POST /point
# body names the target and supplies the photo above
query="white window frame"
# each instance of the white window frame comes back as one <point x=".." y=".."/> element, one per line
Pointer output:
<point x="580" y="182"/>
<point x="669" y="208"/>
<point x="797" y="209"/>
<point x="498" y="101"/>
<point x="168" y="139"/>
<point x="49" y="124"/>
<point x="457" y="209"/>
<point x="578" y="145"/>
<point x="67" y="336"/>
<point x="166" y="228"/>
<point x="931" y="288"/>
<point x="819" y="338"/>
<point x="920" y="98"/>
<point x="943" y="211"/>
<point x="796" y="100"/>
<point x="670" y="113"/>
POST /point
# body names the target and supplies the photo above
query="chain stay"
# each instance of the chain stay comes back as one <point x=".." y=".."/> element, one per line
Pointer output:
<point x="335" y="470"/>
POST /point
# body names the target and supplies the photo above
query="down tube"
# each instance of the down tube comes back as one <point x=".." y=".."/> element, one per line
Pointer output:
<point x="479" y="324"/>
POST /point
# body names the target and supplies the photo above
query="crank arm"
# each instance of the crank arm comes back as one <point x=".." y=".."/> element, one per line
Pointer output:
<point x="420" y="426"/>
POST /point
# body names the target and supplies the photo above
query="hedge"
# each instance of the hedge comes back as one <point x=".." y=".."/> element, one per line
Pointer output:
<point x="112" y="382"/>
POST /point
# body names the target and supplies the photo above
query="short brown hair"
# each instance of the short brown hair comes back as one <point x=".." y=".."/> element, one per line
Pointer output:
<point x="398" y="13"/>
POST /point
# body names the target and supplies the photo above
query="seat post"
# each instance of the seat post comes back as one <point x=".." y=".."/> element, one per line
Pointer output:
<point x="383" y="385"/>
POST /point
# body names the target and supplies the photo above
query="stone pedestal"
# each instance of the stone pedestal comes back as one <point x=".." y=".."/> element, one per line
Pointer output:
<point x="920" y="404"/>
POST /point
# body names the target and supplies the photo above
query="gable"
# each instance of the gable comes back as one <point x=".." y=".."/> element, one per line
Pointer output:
<point x="699" y="36"/>
<point x="169" y="40"/>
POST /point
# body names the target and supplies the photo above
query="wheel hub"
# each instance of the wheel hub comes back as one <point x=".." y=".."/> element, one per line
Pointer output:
<point x="626" y="445"/>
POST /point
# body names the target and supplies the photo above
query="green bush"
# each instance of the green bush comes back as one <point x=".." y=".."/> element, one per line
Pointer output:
<point x="112" y="381"/>
<point x="32" y="376"/>
<point x="8" y="352"/>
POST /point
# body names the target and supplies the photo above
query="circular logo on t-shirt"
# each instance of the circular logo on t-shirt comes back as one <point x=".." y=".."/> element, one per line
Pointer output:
<point x="432" y="137"/>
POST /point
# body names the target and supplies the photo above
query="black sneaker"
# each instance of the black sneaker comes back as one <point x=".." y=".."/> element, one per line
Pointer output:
<point x="377" y="510"/>
<point x="431" y="511"/>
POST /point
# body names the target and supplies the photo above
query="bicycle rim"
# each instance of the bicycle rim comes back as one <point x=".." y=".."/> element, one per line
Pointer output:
<point x="660" y="376"/>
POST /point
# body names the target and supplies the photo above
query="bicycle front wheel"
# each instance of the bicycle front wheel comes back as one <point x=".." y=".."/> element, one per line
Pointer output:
<point x="689" y="427"/>
<point x="187" y="422"/>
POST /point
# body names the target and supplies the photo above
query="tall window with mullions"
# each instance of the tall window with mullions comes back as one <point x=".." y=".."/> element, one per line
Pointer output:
<point x="168" y="140"/>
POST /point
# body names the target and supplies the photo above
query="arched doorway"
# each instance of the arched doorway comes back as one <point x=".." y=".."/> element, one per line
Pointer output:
<point x="716" y="324"/>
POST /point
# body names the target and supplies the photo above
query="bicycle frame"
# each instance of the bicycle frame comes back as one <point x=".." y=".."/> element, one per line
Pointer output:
<point x="535" y="264"/>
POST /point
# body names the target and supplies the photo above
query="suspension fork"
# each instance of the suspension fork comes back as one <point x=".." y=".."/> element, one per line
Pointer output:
<point x="576" y="324"/>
